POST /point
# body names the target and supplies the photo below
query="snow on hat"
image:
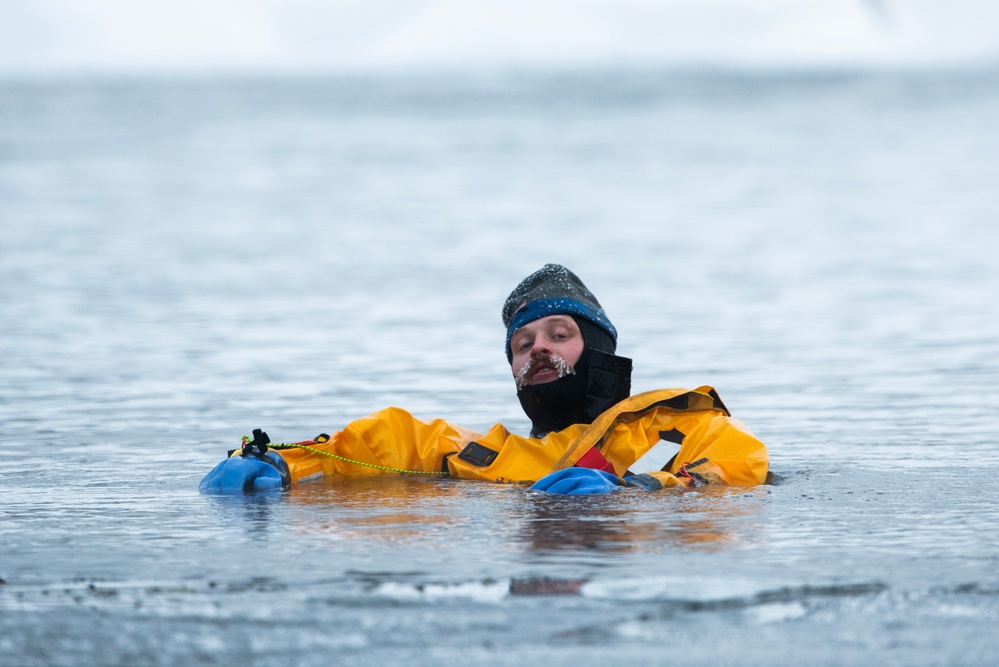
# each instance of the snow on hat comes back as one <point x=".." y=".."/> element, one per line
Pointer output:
<point x="552" y="290"/>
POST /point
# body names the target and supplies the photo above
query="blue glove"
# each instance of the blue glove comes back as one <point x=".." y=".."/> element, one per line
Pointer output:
<point x="578" y="481"/>
<point x="246" y="473"/>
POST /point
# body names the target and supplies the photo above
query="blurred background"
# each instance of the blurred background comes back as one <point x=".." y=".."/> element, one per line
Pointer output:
<point x="223" y="215"/>
<point x="311" y="35"/>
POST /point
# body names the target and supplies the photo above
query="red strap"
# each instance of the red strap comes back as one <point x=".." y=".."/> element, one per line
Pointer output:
<point x="682" y="473"/>
<point x="594" y="459"/>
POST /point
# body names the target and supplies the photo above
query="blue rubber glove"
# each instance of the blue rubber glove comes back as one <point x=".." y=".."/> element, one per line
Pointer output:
<point x="238" y="474"/>
<point x="578" y="481"/>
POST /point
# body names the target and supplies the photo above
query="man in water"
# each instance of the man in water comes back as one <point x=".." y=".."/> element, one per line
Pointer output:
<point x="588" y="434"/>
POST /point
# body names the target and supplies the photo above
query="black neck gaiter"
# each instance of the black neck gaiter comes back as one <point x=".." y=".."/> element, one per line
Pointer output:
<point x="601" y="381"/>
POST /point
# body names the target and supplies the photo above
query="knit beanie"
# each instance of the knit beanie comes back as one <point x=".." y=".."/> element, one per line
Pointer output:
<point x="554" y="290"/>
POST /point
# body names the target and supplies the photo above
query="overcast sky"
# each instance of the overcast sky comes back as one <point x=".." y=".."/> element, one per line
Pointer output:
<point x="338" y="35"/>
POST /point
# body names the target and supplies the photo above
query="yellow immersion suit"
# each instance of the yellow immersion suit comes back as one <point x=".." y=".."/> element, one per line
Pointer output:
<point x="714" y="447"/>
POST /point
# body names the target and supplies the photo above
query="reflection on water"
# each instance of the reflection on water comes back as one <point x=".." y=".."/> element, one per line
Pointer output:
<point x="631" y="521"/>
<point x="416" y="512"/>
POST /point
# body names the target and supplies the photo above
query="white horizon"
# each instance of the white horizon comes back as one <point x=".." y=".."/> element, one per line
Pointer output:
<point x="315" y="36"/>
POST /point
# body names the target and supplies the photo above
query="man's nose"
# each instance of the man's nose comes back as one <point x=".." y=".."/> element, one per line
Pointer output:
<point x="541" y="346"/>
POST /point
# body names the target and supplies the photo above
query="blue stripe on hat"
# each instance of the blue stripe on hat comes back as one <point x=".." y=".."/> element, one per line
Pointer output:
<point x="535" y="310"/>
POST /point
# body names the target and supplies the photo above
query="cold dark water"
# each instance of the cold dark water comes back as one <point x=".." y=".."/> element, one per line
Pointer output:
<point x="183" y="261"/>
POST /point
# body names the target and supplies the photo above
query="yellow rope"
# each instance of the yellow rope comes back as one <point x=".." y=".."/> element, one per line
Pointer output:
<point x="291" y="445"/>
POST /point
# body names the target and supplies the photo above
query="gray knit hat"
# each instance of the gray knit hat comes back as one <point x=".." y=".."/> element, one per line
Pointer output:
<point x="552" y="290"/>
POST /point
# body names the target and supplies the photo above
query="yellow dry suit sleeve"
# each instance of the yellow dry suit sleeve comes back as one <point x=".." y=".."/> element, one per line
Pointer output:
<point x="500" y="456"/>
<point x="718" y="450"/>
<point x="391" y="438"/>
<point x="714" y="448"/>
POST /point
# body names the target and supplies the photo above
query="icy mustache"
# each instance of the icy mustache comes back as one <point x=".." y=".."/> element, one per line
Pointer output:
<point x="560" y="365"/>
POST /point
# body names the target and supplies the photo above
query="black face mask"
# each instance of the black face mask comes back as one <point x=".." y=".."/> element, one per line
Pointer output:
<point x="601" y="381"/>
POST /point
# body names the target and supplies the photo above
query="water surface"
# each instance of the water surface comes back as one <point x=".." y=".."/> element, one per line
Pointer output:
<point x="185" y="260"/>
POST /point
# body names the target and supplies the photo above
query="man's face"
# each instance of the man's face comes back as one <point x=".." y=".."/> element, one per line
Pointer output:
<point x="545" y="350"/>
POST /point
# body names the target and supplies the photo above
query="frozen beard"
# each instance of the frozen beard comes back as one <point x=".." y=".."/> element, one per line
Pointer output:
<point x="597" y="382"/>
<point x="552" y="361"/>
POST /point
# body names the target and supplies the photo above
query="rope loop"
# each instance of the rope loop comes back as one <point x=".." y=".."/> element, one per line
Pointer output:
<point x="321" y="439"/>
